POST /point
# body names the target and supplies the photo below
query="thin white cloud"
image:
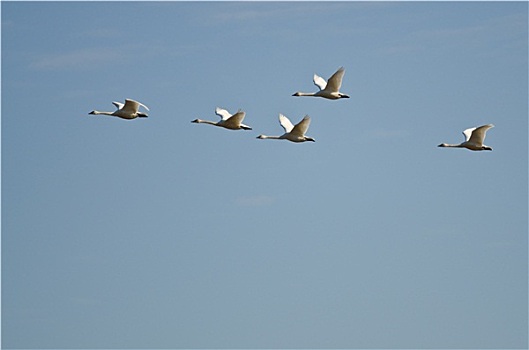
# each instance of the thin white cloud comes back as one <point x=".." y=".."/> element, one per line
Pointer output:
<point x="100" y="33"/>
<point x="84" y="301"/>
<point x="83" y="58"/>
<point x="7" y="23"/>
<point x="94" y="58"/>
<point x="247" y="11"/>
<point x="484" y="35"/>
<point x="255" y="201"/>
<point x="388" y="134"/>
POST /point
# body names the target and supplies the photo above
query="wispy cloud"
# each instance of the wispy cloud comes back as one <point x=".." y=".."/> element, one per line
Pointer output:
<point x="483" y="35"/>
<point x="95" y="57"/>
<point x="100" y="33"/>
<point x="255" y="201"/>
<point x="388" y="134"/>
<point x="82" y="58"/>
<point x="247" y="11"/>
<point x="84" y="301"/>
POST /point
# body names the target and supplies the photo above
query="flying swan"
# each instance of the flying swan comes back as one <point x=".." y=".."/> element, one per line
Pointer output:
<point x="328" y="89"/>
<point x="228" y="121"/>
<point x="129" y="110"/>
<point x="473" y="139"/>
<point x="292" y="133"/>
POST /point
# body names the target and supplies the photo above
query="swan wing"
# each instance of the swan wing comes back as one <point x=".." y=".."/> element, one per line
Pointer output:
<point x="285" y="123"/>
<point x="236" y="119"/>
<point x="221" y="112"/>
<point x="335" y="81"/>
<point x="301" y="128"/>
<point x="144" y="106"/>
<point x="468" y="133"/>
<point x="319" y="82"/>
<point x="133" y="106"/>
<point x="478" y="134"/>
<point x="118" y="105"/>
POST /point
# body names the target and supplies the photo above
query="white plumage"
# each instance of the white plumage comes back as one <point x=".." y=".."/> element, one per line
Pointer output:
<point x="228" y="121"/>
<point x="328" y="89"/>
<point x="129" y="110"/>
<point x="293" y="133"/>
<point x="474" y="138"/>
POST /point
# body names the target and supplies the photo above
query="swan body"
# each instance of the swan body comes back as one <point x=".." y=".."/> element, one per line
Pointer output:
<point x="228" y="121"/>
<point x="473" y="139"/>
<point x="293" y="133"/>
<point x="129" y="110"/>
<point x="330" y="89"/>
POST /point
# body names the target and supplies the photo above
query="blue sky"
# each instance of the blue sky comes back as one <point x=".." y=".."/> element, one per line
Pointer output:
<point x="160" y="233"/>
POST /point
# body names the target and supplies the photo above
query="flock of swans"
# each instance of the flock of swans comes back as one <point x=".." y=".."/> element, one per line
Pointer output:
<point x="330" y="89"/>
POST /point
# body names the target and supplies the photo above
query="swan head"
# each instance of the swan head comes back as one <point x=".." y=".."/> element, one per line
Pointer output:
<point x="92" y="112"/>
<point x="195" y="121"/>
<point x="261" y="137"/>
<point x="296" y="94"/>
<point x="442" y="145"/>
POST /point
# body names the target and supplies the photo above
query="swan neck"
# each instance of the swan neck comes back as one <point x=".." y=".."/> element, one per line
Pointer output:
<point x="304" y="94"/>
<point x="451" y="145"/>
<point x="201" y="121"/>
<point x="101" y="112"/>
<point x="268" y="137"/>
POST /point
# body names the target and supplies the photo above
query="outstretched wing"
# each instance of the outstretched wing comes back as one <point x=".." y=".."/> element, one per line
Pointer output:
<point x="478" y="135"/>
<point x="319" y="82"/>
<point x="468" y="133"/>
<point x="222" y="113"/>
<point x="335" y="82"/>
<point x="236" y="119"/>
<point x="118" y="105"/>
<point x="285" y="123"/>
<point x="301" y="128"/>
<point x="133" y="106"/>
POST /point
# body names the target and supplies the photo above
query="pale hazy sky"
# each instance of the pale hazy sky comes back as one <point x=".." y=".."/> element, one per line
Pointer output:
<point x="159" y="233"/>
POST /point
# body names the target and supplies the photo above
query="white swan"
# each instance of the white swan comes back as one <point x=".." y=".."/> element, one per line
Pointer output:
<point x="292" y="133"/>
<point x="228" y="121"/>
<point x="328" y="89"/>
<point x="129" y="110"/>
<point x="473" y="139"/>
